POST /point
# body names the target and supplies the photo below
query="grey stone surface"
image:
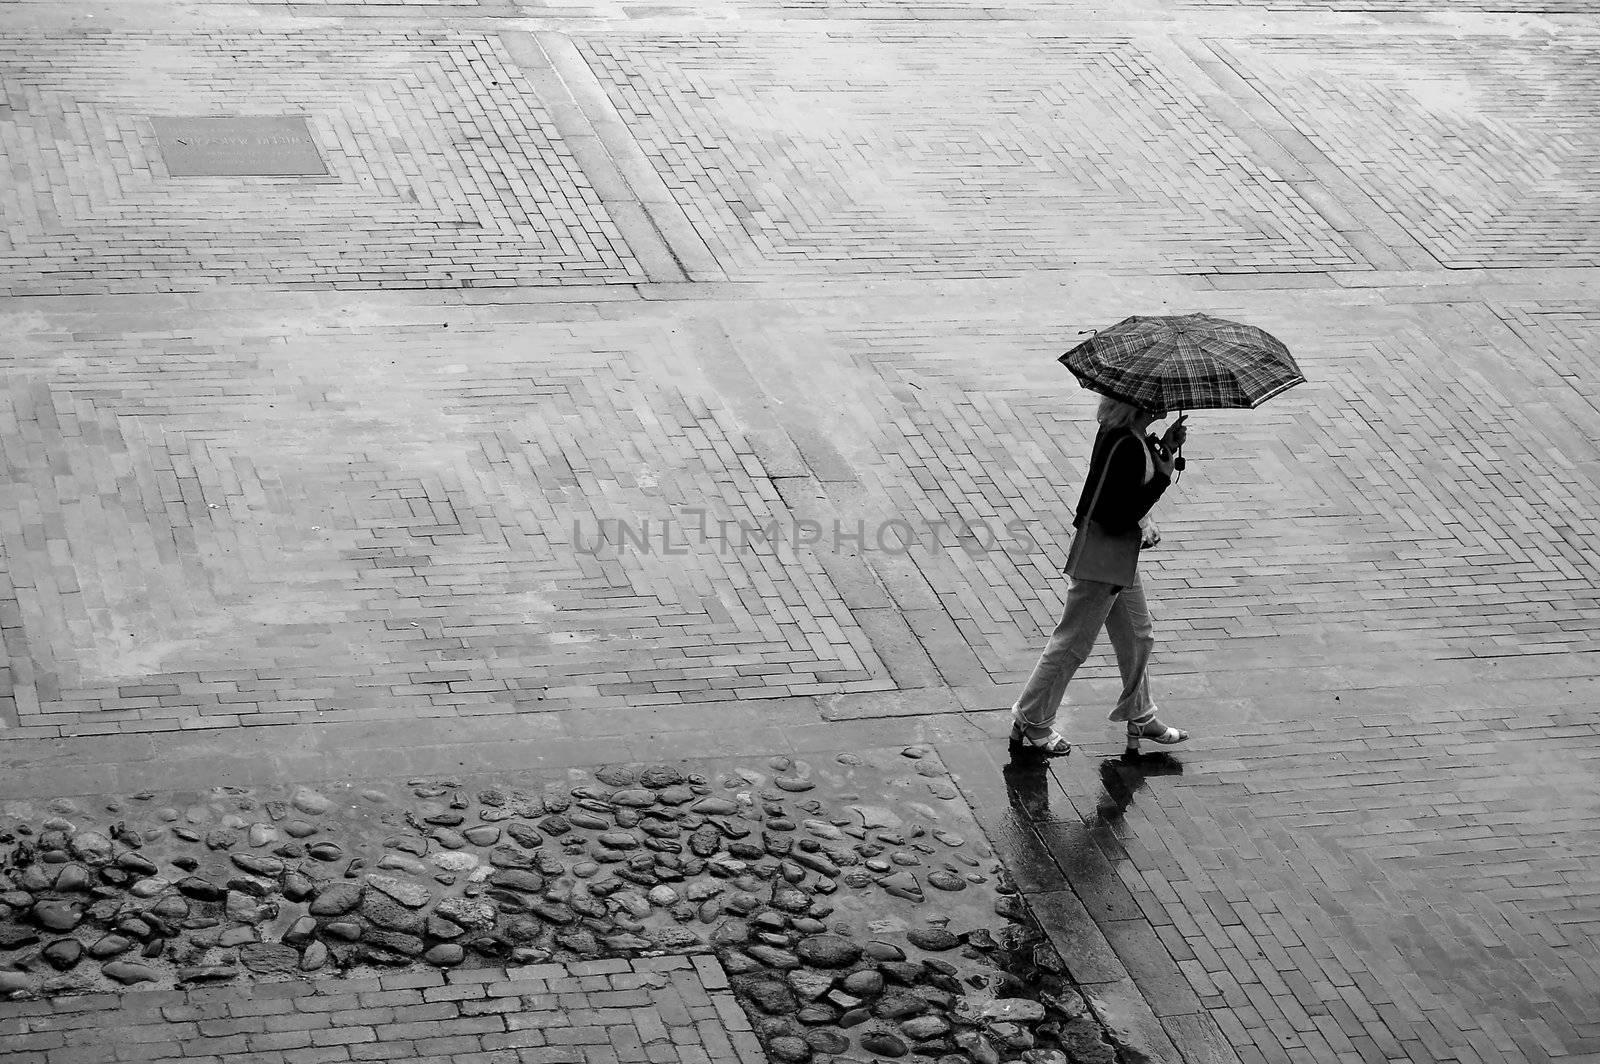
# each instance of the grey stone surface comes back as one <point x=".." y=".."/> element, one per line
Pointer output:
<point x="271" y="524"/>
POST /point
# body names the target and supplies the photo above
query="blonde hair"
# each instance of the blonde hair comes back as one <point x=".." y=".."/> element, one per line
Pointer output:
<point x="1115" y="414"/>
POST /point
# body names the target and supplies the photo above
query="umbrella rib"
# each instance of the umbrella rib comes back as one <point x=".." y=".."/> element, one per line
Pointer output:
<point x="1278" y="390"/>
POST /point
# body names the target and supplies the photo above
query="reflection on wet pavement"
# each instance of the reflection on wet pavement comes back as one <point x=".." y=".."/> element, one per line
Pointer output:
<point x="1123" y="776"/>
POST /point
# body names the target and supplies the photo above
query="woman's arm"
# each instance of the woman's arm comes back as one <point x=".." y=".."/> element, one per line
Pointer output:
<point x="1126" y="498"/>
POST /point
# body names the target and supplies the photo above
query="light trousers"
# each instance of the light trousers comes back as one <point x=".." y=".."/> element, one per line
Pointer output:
<point x="1091" y="606"/>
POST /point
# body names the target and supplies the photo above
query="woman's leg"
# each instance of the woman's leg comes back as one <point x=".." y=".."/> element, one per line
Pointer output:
<point x="1088" y="602"/>
<point x="1132" y="637"/>
<point x="1129" y="626"/>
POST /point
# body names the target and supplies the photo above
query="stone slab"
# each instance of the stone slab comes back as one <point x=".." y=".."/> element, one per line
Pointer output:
<point x="239" y="146"/>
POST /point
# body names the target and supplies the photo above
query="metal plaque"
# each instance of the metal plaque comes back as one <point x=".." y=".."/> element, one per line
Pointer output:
<point x="239" y="147"/>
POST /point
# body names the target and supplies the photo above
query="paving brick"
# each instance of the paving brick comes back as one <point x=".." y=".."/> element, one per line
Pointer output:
<point x="448" y="1045"/>
<point x="661" y="964"/>
<point x="295" y="1038"/>
<point x="80" y="1054"/>
<point x="316" y="1055"/>
<point x="343" y="1036"/>
<point x="408" y="980"/>
<point x="300" y="1020"/>
<point x="514" y="1039"/>
<point x="712" y="977"/>
<point x="584" y="969"/>
<point x="551" y="1055"/>
<point x="593" y="1035"/>
<point x="466" y="992"/>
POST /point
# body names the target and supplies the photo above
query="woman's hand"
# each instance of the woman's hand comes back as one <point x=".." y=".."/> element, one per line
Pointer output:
<point x="1149" y="534"/>
<point x="1165" y="458"/>
<point x="1176" y="434"/>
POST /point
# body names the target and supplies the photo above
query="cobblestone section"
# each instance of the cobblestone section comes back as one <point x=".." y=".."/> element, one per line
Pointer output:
<point x="661" y="1010"/>
<point x="843" y="918"/>
<point x="446" y="170"/>
<point x="920" y="157"/>
<point x="1490" y="169"/>
<point x="207" y="531"/>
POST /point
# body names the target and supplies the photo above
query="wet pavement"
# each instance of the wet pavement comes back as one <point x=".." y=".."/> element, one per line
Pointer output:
<point x="585" y="385"/>
<point x="851" y="903"/>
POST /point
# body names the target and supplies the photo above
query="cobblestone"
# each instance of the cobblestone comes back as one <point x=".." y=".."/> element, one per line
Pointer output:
<point x="759" y="909"/>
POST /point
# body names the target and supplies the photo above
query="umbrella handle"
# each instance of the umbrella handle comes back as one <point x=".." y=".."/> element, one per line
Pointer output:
<point x="1177" y="454"/>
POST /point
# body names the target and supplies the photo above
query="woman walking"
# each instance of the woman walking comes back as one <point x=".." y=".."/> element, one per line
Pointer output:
<point x="1128" y="471"/>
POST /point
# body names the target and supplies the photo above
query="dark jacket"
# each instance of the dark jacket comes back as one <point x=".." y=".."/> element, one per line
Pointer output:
<point x="1127" y="496"/>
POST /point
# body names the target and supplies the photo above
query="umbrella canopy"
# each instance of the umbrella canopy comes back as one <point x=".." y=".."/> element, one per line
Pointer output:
<point x="1184" y="362"/>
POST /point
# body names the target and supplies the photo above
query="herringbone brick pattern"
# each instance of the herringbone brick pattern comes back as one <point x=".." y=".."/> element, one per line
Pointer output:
<point x="1381" y="883"/>
<point x="208" y="531"/>
<point x="915" y="153"/>
<point x="1564" y="335"/>
<point x="1491" y="168"/>
<point x="1414" y="499"/>
<point x="445" y="168"/>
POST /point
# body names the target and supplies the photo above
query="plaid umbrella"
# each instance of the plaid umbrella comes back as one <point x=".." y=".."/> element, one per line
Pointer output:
<point x="1184" y="362"/>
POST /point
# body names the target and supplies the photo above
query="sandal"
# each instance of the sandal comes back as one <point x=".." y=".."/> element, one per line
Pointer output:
<point x="1052" y="745"/>
<point x="1147" y="727"/>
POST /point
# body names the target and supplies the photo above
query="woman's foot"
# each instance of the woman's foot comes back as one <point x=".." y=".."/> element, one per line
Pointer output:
<point x="1052" y="745"/>
<point x="1148" y="727"/>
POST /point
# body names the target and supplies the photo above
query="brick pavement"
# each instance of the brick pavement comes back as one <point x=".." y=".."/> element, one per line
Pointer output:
<point x="920" y="158"/>
<point x="446" y="169"/>
<point x="1376" y="602"/>
<point x="476" y="524"/>
<point x="1560" y="333"/>
<point x="429" y="534"/>
<point x="1350" y="551"/>
<point x="660" y="1010"/>
<point x="1506" y="149"/>
<point x="1385" y="880"/>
